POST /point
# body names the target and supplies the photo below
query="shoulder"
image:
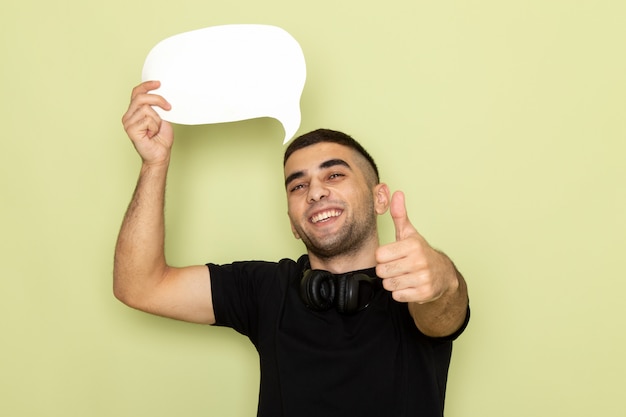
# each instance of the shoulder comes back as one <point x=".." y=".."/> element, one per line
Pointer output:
<point x="256" y="271"/>
<point x="253" y="267"/>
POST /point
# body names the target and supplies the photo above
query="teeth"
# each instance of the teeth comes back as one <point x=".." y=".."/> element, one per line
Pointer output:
<point x="325" y="215"/>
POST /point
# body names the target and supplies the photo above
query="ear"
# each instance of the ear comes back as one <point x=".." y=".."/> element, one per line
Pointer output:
<point x="382" y="198"/>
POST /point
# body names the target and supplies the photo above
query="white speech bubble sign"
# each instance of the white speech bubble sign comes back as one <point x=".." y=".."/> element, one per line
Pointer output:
<point x="229" y="73"/>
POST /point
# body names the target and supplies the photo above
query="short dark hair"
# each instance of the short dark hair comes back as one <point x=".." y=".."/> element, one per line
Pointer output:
<point x="333" y="136"/>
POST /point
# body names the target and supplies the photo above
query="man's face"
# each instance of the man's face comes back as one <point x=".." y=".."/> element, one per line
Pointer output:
<point x="330" y="203"/>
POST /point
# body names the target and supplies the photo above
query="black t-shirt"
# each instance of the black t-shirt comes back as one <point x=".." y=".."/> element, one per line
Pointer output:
<point x="371" y="363"/>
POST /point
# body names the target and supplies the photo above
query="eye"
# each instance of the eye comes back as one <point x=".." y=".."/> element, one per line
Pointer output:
<point x="297" y="187"/>
<point x="335" y="175"/>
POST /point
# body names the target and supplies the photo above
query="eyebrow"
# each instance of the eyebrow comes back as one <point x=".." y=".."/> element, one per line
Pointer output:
<point x="324" y="165"/>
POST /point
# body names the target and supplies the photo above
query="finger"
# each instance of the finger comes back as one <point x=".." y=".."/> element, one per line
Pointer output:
<point x="144" y="88"/>
<point x="144" y="122"/>
<point x="151" y="100"/>
<point x="392" y="257"/>
<point x="400" y="217"/>
<point x="141" y="96"/>
<point x="146" y="127"/>
<point x="392" y="284"/>
<point x="145" y="112"/>
<point x="148" y="99"/>
<point x="144" y="104"/>
<point x="414" y="295"/>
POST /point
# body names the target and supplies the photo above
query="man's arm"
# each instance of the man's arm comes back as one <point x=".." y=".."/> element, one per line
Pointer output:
<point x="446" y="314"/>
<point x="423" y="277"/>
<point x="142" y="278"/>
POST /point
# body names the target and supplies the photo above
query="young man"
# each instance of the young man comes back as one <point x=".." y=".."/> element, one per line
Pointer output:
<point x="352" y="328"/>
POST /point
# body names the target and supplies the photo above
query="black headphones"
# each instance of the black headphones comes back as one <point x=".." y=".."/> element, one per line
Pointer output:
<point x="349" y="293"/>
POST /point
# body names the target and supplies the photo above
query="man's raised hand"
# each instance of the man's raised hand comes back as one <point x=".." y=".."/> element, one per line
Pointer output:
<point x="410" y="268"/>
<point x="151" y="136"/>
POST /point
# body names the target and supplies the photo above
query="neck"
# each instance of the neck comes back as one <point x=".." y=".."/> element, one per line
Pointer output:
<point x="363" y="258"/>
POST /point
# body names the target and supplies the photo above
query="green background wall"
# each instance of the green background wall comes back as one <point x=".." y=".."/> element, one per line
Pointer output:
<point x="504" y="122"/>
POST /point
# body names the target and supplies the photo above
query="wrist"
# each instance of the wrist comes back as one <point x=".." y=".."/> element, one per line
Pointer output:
<point x="162" y="164"/>
<point x="154" y="169"/>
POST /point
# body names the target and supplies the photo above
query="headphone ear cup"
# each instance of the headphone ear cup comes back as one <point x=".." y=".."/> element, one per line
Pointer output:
<point x="317" y="289"/>
<point x="351" y="295"/>
<point x="347" y="294"/>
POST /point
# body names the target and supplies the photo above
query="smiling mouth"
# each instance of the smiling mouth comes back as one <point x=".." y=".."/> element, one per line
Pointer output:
<point x="325" y="216"/>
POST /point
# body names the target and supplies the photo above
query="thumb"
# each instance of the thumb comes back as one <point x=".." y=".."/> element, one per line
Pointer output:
<point x="401" y="222"/>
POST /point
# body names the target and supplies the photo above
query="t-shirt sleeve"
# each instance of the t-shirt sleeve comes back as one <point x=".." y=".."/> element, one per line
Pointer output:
<point x="240" y="294"/>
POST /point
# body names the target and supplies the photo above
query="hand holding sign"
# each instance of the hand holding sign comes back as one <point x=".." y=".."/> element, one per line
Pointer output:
<point x="152" y="137"/>
<point x="410" y="268"/>
<point x="229" y="73"/>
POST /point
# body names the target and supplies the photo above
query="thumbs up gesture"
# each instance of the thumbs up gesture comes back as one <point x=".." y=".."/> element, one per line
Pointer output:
<point x="410" y="268"/>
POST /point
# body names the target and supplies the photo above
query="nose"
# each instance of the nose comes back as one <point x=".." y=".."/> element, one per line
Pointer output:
<point x="317" y="191"/>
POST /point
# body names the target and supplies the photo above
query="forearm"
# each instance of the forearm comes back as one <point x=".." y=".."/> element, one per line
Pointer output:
<point x="444" y="316"/>
<point x="139" y="253"/>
